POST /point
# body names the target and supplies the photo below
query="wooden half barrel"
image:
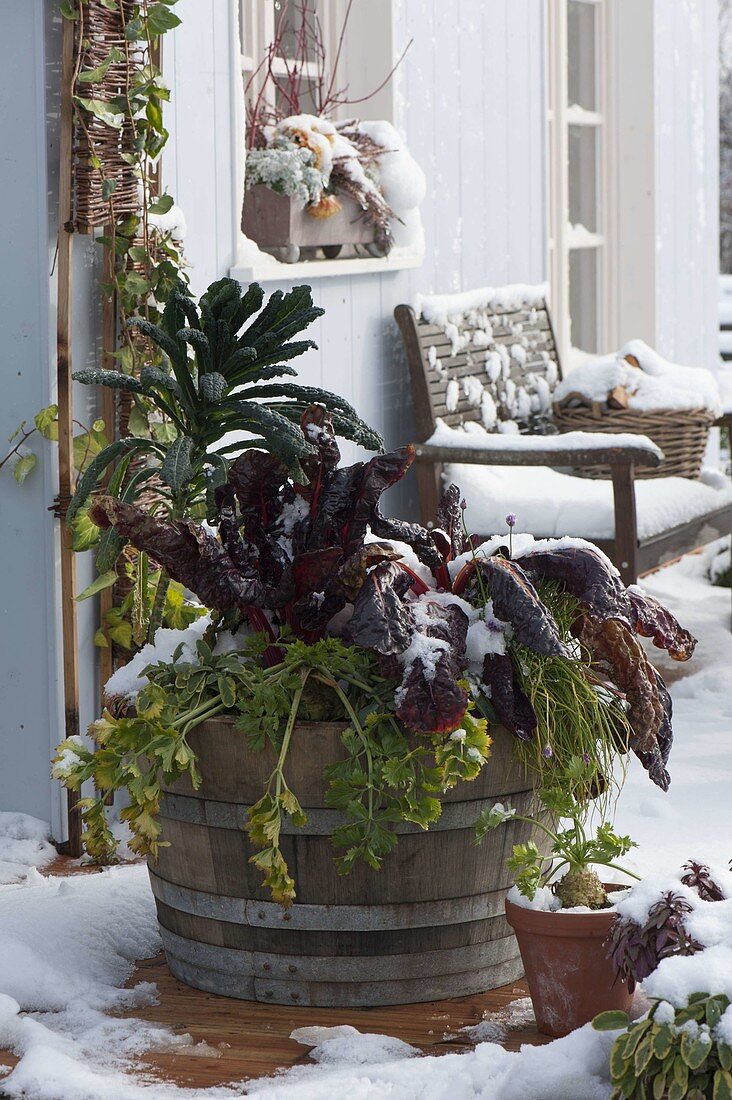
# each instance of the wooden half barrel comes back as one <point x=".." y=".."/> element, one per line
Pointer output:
<point x="430" y="924"/>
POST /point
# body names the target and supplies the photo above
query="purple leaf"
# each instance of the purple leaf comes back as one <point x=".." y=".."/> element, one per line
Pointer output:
<point x="511" y="704"/>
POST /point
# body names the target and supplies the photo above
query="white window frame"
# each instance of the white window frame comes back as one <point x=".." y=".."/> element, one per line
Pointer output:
<point x="563" y="238"/>
<point x="370" y="35"/>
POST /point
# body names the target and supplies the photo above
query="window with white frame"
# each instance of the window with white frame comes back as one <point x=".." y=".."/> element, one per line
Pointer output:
<point x="581" y="266"/>
<point x="351" y="59"/>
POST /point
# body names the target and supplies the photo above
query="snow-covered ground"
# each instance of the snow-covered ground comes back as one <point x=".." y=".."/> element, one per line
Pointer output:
<point x="67" y="946"/>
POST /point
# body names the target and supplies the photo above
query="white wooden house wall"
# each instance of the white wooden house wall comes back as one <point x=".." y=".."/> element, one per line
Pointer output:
<point x="470" y="98"/>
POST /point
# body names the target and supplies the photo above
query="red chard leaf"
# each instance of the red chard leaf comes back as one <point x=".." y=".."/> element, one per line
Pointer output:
<point x="429" y="698"/>
<point x="189" y="554"/>
<point x="650" y="619"/>
<point x="511" y="704"/>
<point x="585" y="574"/>
<point x="516" y="601"/>
<point x="381" y="620"/>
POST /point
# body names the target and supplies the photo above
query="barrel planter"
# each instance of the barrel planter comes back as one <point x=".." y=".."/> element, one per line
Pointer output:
<point x="430" y="924"/>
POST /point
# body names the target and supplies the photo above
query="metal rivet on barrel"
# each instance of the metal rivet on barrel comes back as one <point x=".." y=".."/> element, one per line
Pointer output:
<point x="269" y="993"/>
<point x="265" y="966"/>
<point x="260" y="914"/>
<point x="286" y="916"/>
<point x="292" y="969"/>
<point x="295" y="996"/>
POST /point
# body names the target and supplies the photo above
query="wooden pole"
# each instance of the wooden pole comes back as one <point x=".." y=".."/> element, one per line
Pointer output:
<point x="65" y="419"/>
<point x="108" y="412"/>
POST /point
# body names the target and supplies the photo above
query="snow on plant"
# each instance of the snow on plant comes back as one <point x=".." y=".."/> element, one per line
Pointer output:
<point x="407" y="634"/>
<point x="287" y="169"/>
<point x="676" y="935"/>
<point x="314" y="160"/>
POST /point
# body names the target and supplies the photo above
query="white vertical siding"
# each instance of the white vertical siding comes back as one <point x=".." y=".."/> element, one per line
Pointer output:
<point x="469" y="97"/>
<point x="687" y="150"/>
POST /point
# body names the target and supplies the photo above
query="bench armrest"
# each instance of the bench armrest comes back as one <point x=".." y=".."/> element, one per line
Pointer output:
<point x="541" y="451"/>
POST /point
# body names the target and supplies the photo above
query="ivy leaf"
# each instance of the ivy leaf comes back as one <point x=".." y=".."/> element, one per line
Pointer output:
<point x="162" y="204"/>
<point x="95" y="75"/>
<point x="68" y="9"/>
<point x="101" y="110"/>
<point x="24" y="466"/>
<point x="105" y="581"/>
<point x="85" y="533"/>
<point x="160" y="19"/>
<point x="109" y="187"/>
<point x="46" y="420"/>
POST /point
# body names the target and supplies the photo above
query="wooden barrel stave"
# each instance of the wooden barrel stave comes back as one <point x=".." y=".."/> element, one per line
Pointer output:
<point x="430" y="924"/>
<point x="329" y="942"/>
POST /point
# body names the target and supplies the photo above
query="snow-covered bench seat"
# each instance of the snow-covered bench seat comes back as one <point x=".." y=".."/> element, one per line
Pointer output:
<point x="482" y="367"/>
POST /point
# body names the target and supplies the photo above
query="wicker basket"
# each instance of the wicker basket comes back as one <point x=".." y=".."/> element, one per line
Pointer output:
<point x="681" y="435"/>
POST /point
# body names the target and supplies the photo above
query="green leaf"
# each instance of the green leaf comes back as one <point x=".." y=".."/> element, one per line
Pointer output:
<point x="162" y="204"/>
<point x="85" y="533"/>
<point x="68" y="9"/>
<point x="47" y="422"/>
<point x="160" y="19"/>
<point x="693" y="1050"/>
<point x="102" y="111"/>
<point x="612" y="1020"/>
<point x="24" y="465"/>
<point x="722" y="1085"/>
<point x="177" y="468"/>
<point x="136" y="284"/>
<point x="724" y="1053"/>
<point x="663" y="1041"/>
<point x="100" y="639"/>
<point x="137" y="424"/>
<point x="93" y="76"/>
<point x="109" y="187"/>
<point x="105" y="581"/>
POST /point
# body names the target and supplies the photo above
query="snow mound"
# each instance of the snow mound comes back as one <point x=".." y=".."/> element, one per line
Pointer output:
<point x="653" y="384"/>
<point x="443" y="309"/>
<point x="552" y="504"/>
<point x="477" y="439"/>
<point x="24" y="843"/>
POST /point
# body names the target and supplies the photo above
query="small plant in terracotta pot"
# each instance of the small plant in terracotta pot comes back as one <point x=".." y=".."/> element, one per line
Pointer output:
<point x="562" y="921"/>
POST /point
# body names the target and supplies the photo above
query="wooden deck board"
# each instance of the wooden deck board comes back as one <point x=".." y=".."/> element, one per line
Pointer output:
<point x="253" y="1040"/>
<point x="246" y="1040"/>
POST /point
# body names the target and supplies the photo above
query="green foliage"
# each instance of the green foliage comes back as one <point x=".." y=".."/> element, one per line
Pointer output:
<point x="680" y="1060"/>
<point x="386" y="777"/>
<point x="578" y="720"/>
<point x="176" y="612"/>
<point x="573" y="847"/>
<point x="213" y="359"/>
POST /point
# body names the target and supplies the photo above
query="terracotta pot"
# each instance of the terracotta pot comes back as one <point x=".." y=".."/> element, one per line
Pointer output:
<point x="571" y="979"/>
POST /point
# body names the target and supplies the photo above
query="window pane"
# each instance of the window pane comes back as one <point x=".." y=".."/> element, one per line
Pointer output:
<point x="584" y="297"/>
<point x="583" y="177"/>
<point x="307" y="99"/>
<point x="582" y="55"/>
<point x="297" y="19"/>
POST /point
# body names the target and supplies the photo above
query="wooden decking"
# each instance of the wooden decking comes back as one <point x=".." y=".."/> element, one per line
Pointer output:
<point x="239" y="1040"/>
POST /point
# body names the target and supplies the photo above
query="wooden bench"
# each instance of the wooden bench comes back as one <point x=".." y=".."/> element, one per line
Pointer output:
<point x="437" y="358"/>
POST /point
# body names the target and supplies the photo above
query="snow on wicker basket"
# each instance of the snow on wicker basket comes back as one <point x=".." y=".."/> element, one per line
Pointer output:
<point x="638" y="391"/>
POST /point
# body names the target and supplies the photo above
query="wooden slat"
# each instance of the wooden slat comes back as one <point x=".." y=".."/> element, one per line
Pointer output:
<point x="65" y="420"/>
<point x="250" y="1040"/>
<point x="546" y="456"/>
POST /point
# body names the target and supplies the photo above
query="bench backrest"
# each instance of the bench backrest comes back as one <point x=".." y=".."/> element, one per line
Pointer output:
<point x="486" y="357"/>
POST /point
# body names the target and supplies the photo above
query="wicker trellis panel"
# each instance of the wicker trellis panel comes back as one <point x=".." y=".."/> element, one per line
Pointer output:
<point x="99" y="149"/>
